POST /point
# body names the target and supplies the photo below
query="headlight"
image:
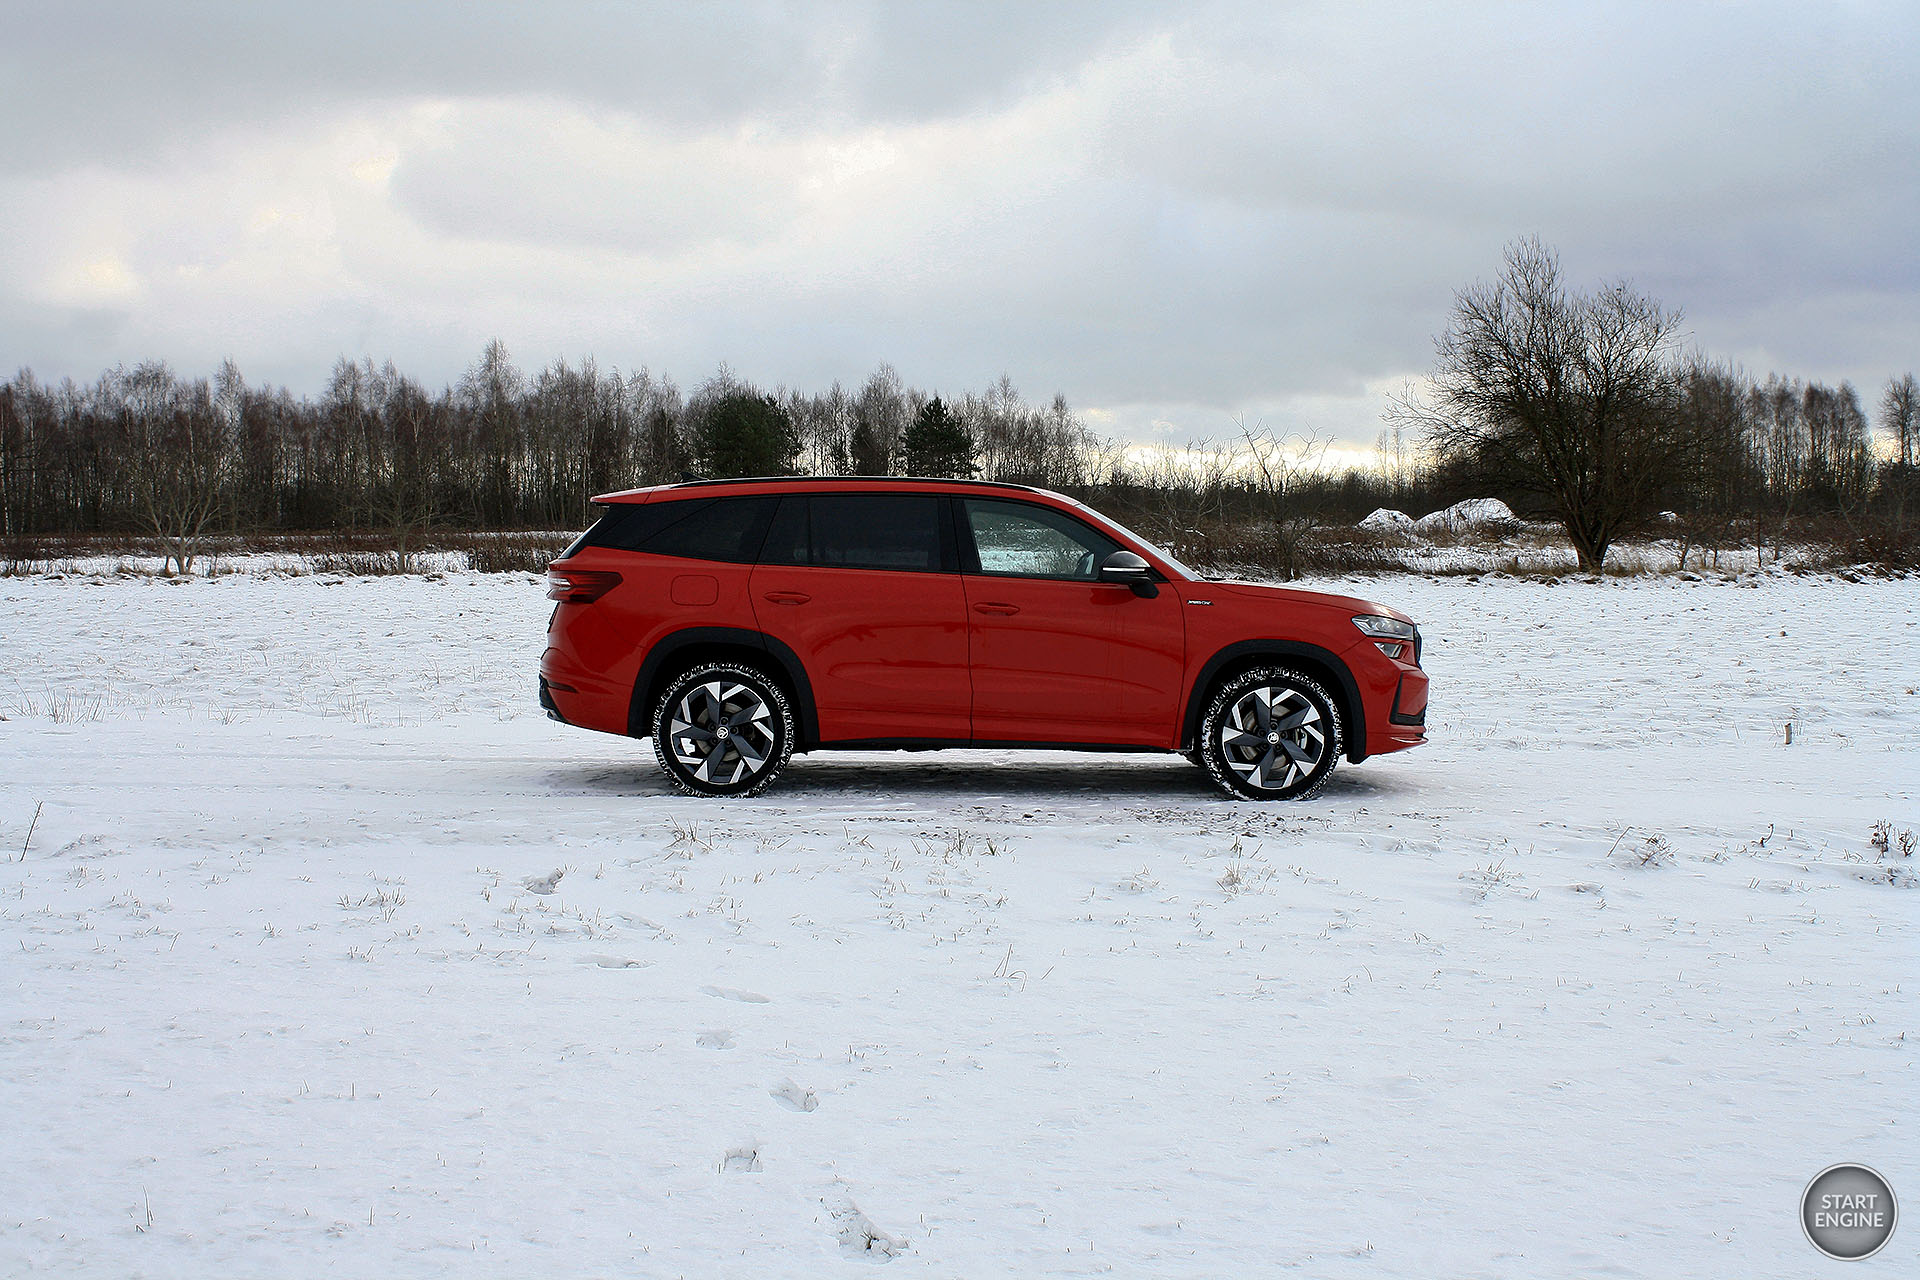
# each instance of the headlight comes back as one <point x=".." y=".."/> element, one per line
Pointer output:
<point x="1385" y="628"/>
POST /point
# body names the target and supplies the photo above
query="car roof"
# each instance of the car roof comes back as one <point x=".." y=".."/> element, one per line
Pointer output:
<point x="802" y="484"/>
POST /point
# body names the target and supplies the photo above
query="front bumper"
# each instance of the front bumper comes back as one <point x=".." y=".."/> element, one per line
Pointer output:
<point x="547" y="703"/>
<point x="1409" y="704"/>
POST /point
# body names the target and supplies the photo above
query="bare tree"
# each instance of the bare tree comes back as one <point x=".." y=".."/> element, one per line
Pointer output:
<point x="16" y="454"/>
<point x="1398" y="465"/>
<point x="1280" y="470"/>
<point x="1900" y="418"/>
<point x="184" y="435"/>
<point x="1566" y="396"/>
<point x="1899" y="479"/>
<point x="879" y="416"/>
<point x="661" y="443"/>
<point x="1717" y="479"/>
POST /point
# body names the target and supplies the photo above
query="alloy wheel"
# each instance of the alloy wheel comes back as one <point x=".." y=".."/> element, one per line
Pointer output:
<point x="722" y="732"/>
<point x="1273" y="737"/>
<point x="1271" y="733"/>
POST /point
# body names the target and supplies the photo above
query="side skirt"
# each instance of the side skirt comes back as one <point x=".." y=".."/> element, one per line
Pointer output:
<point x="981" y="744"/>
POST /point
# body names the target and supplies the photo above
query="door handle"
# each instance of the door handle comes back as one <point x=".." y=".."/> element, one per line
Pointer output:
<point x="994" y="606"/>
<point x="786" y="597"/>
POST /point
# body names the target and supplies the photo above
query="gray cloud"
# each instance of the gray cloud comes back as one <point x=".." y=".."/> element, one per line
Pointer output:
<point x="1239" y="209"/>
<point x="126" y="79"/>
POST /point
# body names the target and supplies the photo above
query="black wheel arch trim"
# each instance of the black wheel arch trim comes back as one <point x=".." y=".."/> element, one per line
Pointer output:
<point x="660" y="658"/>
<point x="1347" y="689"/>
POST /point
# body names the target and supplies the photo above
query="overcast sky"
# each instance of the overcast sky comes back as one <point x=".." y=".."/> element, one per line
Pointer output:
<point x="1174" y="214"/>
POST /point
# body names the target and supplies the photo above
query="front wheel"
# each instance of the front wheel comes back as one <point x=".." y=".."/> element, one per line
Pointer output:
<point x="1270" y="734"/>
<point x="723" y="729"/>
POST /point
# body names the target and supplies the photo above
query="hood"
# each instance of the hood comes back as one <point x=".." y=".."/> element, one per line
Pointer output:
<point x="1297" y="596"/>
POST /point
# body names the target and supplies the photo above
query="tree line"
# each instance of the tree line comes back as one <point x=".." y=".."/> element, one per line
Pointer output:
<point x="1587" y="408"/>
<point x="146" y="451"/>
<point x="1577" y="408"/>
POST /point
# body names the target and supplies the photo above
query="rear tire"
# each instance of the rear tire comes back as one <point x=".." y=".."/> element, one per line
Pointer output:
<point x="723" y="729"/>
<point x="1271" y="733"/>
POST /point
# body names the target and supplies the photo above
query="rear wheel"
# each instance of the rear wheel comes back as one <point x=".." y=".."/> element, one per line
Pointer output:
<point x="1271" y="733"/>
<point x="723" y="729"/>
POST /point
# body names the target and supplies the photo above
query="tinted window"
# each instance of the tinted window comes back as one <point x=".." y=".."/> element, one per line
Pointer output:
<point x="718" y="529"/>
<point x="1019" y="539"/>
<point x="626" y="526"/>
<point x="702" y="529"/>
<point x="787" y="539"/>
<point x="874" y="531"/>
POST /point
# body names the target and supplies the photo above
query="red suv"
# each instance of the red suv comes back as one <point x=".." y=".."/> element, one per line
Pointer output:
<point x="736" y="622"/>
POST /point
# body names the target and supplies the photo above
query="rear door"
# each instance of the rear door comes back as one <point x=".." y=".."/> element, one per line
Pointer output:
<point x="1057" y="655"/>
<point x="865" y="588"/>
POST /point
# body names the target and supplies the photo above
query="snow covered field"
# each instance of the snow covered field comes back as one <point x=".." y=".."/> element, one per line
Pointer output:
<point x="1591" y="985"/>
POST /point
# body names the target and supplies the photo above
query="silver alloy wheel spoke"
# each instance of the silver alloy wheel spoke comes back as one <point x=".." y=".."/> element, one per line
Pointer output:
<point x="1272" y="737"/>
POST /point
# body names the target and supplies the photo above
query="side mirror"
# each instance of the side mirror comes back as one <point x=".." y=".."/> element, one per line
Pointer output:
<point x="1123" y="568"/>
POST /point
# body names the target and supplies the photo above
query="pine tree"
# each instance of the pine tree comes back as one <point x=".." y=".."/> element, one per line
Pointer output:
<point x="744" y="433"/>
<point x="937" y="443"/>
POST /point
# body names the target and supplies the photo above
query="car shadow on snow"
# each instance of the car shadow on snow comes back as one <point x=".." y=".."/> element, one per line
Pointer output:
<point x="972" y="776"/>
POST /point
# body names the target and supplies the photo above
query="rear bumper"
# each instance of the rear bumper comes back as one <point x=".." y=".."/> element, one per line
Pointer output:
<point x="579" y="698"/>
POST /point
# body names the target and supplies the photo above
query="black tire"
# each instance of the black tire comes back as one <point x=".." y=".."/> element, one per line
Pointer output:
<point x="723" y="729"/>
<point x="1271" y="733"/>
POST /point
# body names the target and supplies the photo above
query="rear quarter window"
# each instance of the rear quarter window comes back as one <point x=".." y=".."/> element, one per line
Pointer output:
<point x="728" y="529"/>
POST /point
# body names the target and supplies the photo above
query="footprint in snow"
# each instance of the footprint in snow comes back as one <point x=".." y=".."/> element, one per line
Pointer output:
<point x="721" y="1039"/>
<point x="1401" y="1089"/>
<point x="794" y="1098"/>
<point x="734" y="993"/>
<point x="859" y="1238"/>
<point x="546" y="883"/>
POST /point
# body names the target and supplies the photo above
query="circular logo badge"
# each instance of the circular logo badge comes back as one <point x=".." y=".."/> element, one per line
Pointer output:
<point x="1848" y="1212"/>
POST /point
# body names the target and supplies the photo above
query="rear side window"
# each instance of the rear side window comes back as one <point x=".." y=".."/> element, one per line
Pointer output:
<point x="899" y="531"/>
<point x="704" y="529"/>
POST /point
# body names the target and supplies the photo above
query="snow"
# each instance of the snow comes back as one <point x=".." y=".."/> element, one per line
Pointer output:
<point x="1474" y="513"/>
<point x="1388" y="520"/>
<point x="1594" y="983"/>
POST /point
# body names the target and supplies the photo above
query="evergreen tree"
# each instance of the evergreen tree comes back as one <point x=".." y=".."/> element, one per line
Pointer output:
<point x="744" y="433"/>
<point x="938" y="443"/>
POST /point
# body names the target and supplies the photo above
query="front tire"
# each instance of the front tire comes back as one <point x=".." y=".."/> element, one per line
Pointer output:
<point x="1271" y="733"/>
<point x="723" y="729"/>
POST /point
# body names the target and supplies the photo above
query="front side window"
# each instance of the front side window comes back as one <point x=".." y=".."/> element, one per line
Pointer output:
<point x="1021" y="540"/>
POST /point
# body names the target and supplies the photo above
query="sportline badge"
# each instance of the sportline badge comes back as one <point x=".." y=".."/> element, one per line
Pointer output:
<point x="1848" y="1212"/>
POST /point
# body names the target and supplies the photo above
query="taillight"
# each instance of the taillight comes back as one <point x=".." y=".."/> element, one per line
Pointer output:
<point x="579" y="586"/>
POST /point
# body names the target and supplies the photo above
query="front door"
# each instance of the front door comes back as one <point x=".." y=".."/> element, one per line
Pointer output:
<point x="1057" y="655"/>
